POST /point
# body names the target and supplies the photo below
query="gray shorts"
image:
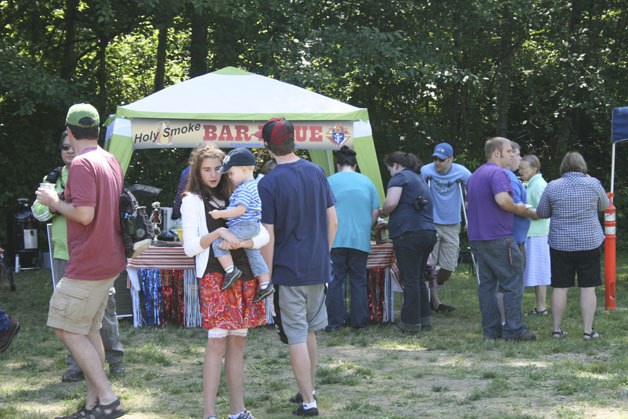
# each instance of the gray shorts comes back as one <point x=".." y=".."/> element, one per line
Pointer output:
<point x="303" y="310"/>
<point x="447" y="247"/>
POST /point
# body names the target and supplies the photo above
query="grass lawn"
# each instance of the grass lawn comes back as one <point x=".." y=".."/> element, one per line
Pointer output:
<point x="379" y="373"/>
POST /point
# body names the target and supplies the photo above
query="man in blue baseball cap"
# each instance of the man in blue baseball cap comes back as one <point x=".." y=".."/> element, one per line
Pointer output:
<point x="446" y="180"/>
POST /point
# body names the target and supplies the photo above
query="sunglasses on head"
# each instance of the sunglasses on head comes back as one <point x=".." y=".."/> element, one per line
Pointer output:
<point x="66" y="147"/>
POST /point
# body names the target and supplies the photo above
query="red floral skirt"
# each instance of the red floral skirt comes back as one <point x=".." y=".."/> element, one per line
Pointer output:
<point x="232" y="309"/>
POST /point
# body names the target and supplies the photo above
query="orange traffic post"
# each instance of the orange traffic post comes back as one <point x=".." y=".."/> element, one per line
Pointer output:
<point x="609" y="254"/>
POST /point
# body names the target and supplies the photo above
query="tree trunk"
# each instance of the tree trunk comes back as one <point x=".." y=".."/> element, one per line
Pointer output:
<point x="198" y="45"/>
<point x="503" y="96"/>
<point x="563" y="138"/>
<point x="68" y="61"/>
<point x="502" y="99"/>
<point x="101" y="54"/>
<point x="160" y="69"/>
<point x="225" y="44"/>
<point x="454" y="114"/>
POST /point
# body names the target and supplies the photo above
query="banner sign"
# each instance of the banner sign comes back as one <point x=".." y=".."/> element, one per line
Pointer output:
<point x="620" y="124"/>
<point x="179" y="133"/>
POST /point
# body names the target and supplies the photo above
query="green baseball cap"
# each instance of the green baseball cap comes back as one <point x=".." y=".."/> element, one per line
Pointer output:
<point x="82" y="115"/>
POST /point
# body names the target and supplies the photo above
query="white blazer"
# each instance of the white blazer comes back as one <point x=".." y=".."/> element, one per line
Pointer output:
<point x="194" y="225"/>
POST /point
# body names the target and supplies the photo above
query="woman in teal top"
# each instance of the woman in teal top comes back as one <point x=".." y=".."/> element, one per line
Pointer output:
<point x="538" y="268"/>
<point x="357" y="206"/>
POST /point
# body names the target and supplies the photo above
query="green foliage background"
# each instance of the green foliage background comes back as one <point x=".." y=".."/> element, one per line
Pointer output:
<point x="543" y="73"/>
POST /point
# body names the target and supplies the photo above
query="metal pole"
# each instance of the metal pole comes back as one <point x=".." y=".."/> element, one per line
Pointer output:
<point x="613" y="169"/>
<point x="464" y="209"/>
<point x="330" y="162"/>
<point x="466" y="223"/>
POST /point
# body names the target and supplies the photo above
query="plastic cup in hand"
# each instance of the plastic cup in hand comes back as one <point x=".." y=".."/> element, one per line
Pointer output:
<point x="46" y="185"/>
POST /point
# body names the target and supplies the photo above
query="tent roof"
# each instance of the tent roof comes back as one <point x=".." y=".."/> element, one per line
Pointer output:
<point x="220" y="97"/>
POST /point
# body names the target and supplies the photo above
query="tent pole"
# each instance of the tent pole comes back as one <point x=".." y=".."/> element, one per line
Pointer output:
<point x="613" y="168"/>
<point x="330" y="162"/>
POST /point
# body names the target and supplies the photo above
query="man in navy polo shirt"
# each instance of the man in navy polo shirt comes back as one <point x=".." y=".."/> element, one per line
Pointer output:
<point x="299" y="213"/>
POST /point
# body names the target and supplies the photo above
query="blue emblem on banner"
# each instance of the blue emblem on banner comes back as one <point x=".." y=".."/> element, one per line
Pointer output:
<point x="338" y="134"/>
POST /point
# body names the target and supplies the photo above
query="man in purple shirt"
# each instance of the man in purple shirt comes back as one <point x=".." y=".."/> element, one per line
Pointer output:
<point x="500" y="263"/>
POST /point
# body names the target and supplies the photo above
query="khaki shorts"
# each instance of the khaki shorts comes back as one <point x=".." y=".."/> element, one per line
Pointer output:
<point x="447" y="247"/>
<point x="77" y="306"/>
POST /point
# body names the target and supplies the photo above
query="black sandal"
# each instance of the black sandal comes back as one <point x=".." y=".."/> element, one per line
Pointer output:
<point x="559" y="334"/>
<point x="443" y="308"/>
<point x="537" y="312"/>
<point x="592" y="335"/>
<point x="83" y="412"/>
<point x="109" y="411"/>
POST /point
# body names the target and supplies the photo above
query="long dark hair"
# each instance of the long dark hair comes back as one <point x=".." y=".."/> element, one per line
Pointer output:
<point x="64" y="135"/>
<point x="407" y="160"/>
<point x="195" y="182"/>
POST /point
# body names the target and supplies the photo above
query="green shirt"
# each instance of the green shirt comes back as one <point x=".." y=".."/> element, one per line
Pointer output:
<point x="536" y="186"/>
<point x="59" y="225"/>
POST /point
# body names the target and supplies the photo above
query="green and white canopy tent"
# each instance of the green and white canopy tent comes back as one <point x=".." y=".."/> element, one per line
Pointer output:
<point x="228" y="106"/>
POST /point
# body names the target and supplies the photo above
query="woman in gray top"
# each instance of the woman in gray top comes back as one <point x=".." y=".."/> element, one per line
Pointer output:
<point x="572" y="203"/>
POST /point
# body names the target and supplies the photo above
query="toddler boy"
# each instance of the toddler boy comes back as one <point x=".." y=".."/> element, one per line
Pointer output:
<point x="243" y="219"/>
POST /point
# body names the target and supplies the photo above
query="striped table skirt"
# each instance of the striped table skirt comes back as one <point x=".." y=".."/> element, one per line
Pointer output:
<point x="157" y="276"/>
<point x="382" y="282"/>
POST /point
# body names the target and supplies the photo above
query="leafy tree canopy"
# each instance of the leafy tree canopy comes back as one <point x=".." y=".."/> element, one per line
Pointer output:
<point x="545" y="74"/>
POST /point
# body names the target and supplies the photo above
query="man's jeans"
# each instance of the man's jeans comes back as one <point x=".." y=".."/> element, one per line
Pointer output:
<point x="412" y="250"/>
<point x="351" y="263"/>
<point x="4" y="322"/>
<point x="500" y="264"/>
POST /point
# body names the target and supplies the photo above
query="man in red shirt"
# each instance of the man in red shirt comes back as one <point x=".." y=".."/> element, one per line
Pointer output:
<point x="92" y="194"/>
